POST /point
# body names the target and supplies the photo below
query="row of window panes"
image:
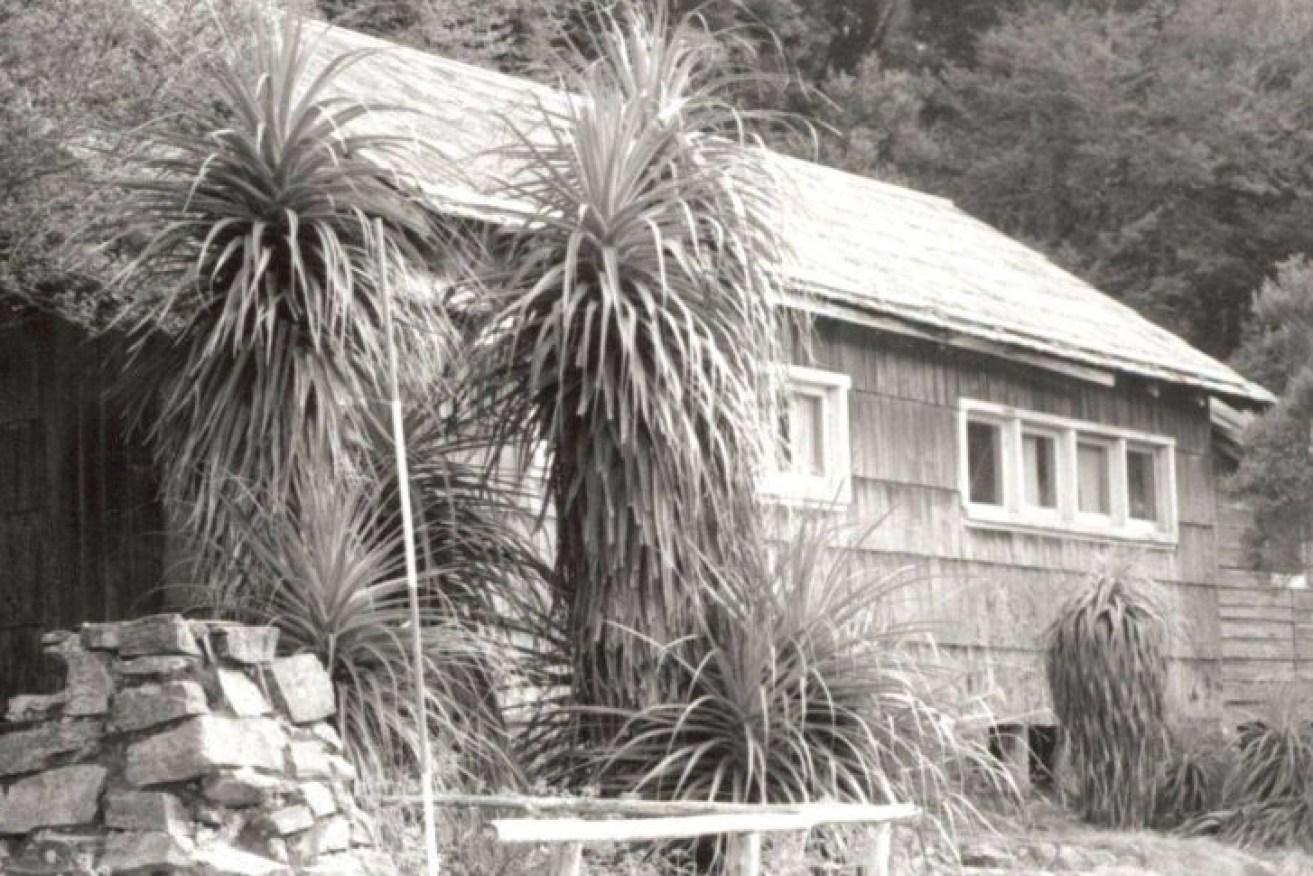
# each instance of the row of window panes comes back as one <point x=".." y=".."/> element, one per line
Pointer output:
<point x="1039" y="476"/>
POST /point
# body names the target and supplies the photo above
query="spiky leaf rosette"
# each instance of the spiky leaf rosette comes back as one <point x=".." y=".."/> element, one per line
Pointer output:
<point x="256" y="296"/>
<point x="632" y="331"/>
<point x="804" y="686"/>
<point x="331" y="578"/>
<point x="1106" y="663"/>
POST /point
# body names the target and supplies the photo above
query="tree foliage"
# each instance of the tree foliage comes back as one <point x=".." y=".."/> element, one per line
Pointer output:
<point x="1276" y="471"/>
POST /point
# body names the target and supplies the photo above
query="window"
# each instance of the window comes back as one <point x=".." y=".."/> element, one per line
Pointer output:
<point x="811" y="458"/>
<point x="1030" y="470"/>
<point x="1040" y="470"/>
<point x="1093" y="479"/>
<point x="984" y="444"/>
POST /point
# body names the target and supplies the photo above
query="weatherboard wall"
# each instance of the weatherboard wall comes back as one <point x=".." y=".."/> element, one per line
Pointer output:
<point x="989" y="594"/>
<point x="80" y="531"/>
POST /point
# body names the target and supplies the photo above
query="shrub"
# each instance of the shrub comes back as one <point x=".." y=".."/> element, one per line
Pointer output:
<point x="330" y="577"/>
<point x="1188" y="783"/>
<point x="1106" y="664"/>
<point x="1268" y="792"/>
<point x="798" y="686"/>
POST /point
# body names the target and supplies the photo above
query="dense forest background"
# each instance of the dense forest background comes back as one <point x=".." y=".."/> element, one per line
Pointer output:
<point x="1161" y="149"/>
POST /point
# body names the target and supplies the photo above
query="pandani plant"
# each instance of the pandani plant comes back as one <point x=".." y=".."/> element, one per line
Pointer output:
<point x="628" y="331"/>
<point x="805" y="684"/>
<point x="255" y="283"/>
<point x="1266" y="797"/>
<point x="1105" y="660"/>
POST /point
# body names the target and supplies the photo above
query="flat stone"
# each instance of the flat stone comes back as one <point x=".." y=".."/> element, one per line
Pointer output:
<point x="241" y="788"/>
<point x="170" y="664"/>
<point x="221" y="859"/>
<point x="203" y="745"/>
<point x="88" y="683"/>
<point x="58" y="851"/>
<point x="290" y="819"/>
<point x="58" y="641"/>
<point x="326" y="837"/>
<point x="253" y="646"/>
<point x="241" y="695"/>
<point x="319" y="797"/>
<point x="302" y="689"/>
<point x="34" y="707"/>
<point x="100" y="637"/>
<point x="27" y="750"/>
<point x="141" y="707"/>
<point x="342" y="769"/>
<point x="157" y="634"/>
<point x="144" y="852"/>
<point x="309" y="761"/>
<point x="146" y="810"/>
<point x="328" y="733"/>
<point x="357" y="862"/>
<point x="56" y="798"/>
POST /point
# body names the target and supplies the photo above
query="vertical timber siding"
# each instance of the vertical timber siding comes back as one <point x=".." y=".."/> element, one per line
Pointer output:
<point x="1266" y="627"/>
<point x="989" y="594"/>
<point x="80" y="530"/>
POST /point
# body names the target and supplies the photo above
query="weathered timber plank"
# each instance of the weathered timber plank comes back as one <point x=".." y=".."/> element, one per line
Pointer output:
<point x="1270" y="613"/>
<point x="1250" y="597"/>
<point x="1234" y="648"/>
<point x="903" y="441"/>
<point x="1257" y="629"/>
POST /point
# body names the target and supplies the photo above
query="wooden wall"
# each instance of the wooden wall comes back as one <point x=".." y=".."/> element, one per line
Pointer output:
<point x="989" y="594"/>
<point x="80" y="530"/>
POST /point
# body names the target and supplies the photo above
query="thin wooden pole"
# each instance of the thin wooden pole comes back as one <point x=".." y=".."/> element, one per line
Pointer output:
<point x="568" y="859"/>
<point x="743" y="851"/>
<point x="412" y="570"/>
<point x="883" y="850"/>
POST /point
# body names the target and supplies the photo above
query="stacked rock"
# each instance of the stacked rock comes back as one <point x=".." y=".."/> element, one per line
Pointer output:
<point x="180" y="746"/>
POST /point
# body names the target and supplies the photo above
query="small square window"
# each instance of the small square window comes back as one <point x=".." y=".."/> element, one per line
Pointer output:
<point x="1040" y="476"/>
<point x="985" y="462"/>
<point x="802" y="434"/>
<point x="810" y="460"/>
<point x="1142" y="483"/>
<point x="1093" y="481"/>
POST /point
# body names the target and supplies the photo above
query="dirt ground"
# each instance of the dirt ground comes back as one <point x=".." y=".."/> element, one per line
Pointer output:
<point x="1046" y="839"/>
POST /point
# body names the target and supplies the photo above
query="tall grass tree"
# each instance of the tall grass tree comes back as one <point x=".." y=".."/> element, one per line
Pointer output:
<point x="630" y="333"/>
<point x="1105" y="660"/>
<point x="256" y="286"/>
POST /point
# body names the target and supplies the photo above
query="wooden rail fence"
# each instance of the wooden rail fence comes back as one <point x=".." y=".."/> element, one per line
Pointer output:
<point x="644" y="820"/>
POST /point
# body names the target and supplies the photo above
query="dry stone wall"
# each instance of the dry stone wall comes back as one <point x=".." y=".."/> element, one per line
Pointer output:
<point x="180" y="747"/>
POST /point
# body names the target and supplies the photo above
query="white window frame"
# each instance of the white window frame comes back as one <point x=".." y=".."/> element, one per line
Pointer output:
<point x="834" y="485"/>
<point x="1015" y="513"/>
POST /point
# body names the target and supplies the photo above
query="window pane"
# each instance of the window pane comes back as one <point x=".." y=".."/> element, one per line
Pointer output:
<point x="984" y="463"/>
<point x="804" y="434"/>
<point x="1141" y="484"/>
<point x="1092" y="479"/>
<point x="1040" y="453"/>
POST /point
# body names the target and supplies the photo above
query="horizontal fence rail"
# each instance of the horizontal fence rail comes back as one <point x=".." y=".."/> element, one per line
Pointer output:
<point x="622" y="820"/>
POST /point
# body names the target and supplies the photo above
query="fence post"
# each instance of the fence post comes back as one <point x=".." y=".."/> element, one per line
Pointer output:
<point x="568" y="859"/>
<point x="743" y="851"/>
<point x="881" y="850"/>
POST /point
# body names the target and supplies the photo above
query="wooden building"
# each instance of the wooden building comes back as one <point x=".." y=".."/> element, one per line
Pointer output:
<point x="80" y="527"/>
<point x="1005" y="428"/>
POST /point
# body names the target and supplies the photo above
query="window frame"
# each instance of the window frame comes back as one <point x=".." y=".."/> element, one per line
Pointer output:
<point x="1067" y="519"/>
<point x="834" y="485"/>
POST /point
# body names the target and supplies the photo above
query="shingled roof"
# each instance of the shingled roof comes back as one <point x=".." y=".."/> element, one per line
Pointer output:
<point x="862" y="246"/>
